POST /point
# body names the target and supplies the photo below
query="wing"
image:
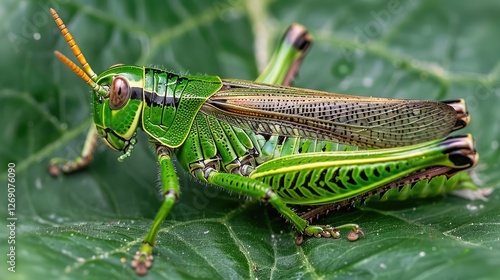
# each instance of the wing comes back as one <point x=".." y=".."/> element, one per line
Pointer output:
<point x="347" y="119"/>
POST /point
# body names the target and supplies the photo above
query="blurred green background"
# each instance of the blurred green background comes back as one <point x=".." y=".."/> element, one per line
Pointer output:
<point x="83" y="225"/>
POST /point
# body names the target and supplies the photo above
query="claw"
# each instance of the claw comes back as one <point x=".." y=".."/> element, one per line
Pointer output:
<point x="354" y="234"/>
<point x="54" y="170"/>
<point x="142" y="262"/>
<point x="360" y="230"/>
<point x="56" y="166"/>
<point x="299" y="239"/>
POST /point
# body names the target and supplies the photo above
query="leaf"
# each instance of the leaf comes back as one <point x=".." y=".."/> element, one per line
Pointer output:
<point x="91" y="223"/>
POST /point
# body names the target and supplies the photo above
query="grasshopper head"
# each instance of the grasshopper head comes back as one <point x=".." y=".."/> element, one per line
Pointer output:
<point x="116" y="96"/>
<point x="117" y="112"/>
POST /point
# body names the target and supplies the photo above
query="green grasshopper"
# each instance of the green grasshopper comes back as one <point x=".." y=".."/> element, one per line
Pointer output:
<point x="266" y="140"/>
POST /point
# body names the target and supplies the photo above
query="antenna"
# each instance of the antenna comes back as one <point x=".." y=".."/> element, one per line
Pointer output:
<point x="86" y="74"/>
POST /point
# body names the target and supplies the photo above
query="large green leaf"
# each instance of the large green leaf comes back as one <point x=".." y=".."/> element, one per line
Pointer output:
<point x="89" y="223"/>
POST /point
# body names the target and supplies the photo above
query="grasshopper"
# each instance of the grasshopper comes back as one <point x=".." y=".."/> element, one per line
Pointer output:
<point x="274" y="143"/>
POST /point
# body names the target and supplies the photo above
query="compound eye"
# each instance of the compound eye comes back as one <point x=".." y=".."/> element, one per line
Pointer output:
<point x="119" y="94"/>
